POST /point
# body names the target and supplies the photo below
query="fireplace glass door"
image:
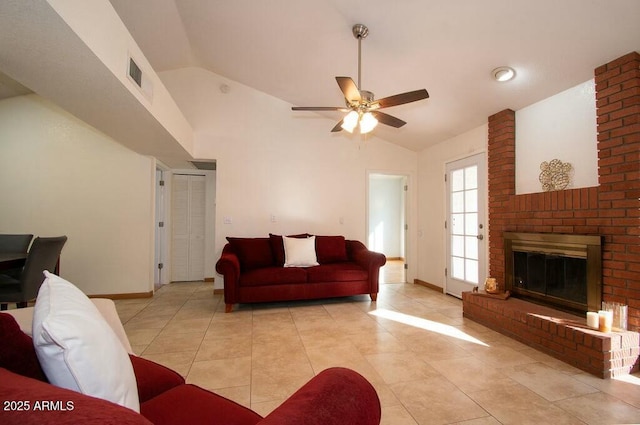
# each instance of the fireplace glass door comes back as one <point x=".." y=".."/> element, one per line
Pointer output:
<point x="558" y="270"/>
<point x="555" y="276"/>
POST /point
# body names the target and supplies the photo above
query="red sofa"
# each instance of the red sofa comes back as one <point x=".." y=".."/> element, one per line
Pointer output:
<point x="335" y="396"/>
<point x="253" y="271"/>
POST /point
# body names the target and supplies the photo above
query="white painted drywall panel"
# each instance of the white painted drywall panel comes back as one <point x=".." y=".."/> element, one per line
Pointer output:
<point x="560" y="127"/>
<point x="60" y="176"/>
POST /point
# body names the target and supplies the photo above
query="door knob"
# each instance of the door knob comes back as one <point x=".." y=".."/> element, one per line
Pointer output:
<point x="480" y="237"/>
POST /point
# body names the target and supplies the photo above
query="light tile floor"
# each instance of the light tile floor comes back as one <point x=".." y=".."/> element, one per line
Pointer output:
<point x="428" y="363"/>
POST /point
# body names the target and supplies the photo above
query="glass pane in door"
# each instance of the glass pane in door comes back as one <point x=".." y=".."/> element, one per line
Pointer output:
<point x="464" y="224"/>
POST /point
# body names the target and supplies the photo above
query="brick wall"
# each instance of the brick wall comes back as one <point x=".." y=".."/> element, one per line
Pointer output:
<point x="612" y="209"/>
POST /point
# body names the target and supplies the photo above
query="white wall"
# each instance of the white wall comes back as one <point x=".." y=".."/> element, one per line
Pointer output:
<point x="272" y="161"/>
<point x="560" y="127"/>
<point x="58" y="176"/>
<point x="432" y="198"/>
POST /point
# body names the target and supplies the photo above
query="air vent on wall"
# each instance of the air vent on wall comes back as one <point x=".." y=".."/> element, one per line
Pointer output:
<point x="204" y="165"/>
<point x="140" y="79"/>
<point x="135" y="72"/>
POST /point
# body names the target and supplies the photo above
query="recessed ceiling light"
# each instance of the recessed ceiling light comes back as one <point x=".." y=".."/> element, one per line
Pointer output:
<point x="503" y="73"/>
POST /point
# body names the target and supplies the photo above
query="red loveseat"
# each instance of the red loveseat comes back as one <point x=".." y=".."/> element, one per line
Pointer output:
<point x="335" y="396"/>
<point x="253" y="270"/>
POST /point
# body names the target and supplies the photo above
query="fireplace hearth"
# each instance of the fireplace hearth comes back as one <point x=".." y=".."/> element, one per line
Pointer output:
<point x="559" y="270"/>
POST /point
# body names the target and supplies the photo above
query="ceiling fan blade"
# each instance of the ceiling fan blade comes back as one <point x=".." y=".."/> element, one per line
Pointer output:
<point x="338" y="127"/>
<point x="388" y="119"/>
<point x="349" y="89"/>
<point x="400" y="99"/>
<point x="319" y="108"/>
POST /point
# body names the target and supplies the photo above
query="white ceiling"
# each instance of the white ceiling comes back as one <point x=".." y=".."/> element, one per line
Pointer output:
<point x="293" y="49"/>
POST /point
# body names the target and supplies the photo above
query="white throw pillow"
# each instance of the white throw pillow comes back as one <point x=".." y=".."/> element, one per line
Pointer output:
<point x="300" y="252"/>
<point x="77" y="348"/>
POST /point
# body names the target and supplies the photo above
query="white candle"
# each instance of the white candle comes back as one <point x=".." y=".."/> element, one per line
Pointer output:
<point x="605" y="320"/>
<point x="593" y="320"/>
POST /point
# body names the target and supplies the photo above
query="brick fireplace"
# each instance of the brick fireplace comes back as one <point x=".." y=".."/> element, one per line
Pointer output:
<point x="610" y="210"/>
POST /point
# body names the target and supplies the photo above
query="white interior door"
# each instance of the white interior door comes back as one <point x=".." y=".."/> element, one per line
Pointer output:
<point x="466" y="245"/>
<point x="188" y="209"/>
<point x="197" y="212"/>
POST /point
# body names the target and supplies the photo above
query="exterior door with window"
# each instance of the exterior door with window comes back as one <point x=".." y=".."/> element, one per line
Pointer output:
<point x="466" y="225"/>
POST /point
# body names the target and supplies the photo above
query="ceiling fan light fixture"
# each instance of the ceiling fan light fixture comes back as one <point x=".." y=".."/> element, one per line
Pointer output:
<point x="361" y="102"/>
<point x="350" y="121"/>
<point x="503" y="74"/>
<point x="367" y="123"/>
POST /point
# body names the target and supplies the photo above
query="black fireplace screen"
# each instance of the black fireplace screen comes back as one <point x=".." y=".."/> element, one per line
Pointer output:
<point x="551" y="275"/>
<point x="560" y="270"/>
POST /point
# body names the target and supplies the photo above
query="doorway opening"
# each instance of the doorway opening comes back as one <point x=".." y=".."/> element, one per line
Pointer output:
<point x="387" y="223"/>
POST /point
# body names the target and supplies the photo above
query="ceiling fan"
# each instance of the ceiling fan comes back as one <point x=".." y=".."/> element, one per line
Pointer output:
<point x="361" y="106"/>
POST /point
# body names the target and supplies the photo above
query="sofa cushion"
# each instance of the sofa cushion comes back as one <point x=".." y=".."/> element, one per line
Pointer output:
<point x="188" y="404"/>
<point x="58" y="406"/>
<point x="273" y="276"/>
<point x="153" y="379"/>
<point x="16" y="350"/>
<point x="300" y="252"/>
<point x="336" y="272"/>
<point x="77" y="348"/>
<point x="277" y="246"/>
<point x="253" y="253"/>
<point x="331" y="249"/>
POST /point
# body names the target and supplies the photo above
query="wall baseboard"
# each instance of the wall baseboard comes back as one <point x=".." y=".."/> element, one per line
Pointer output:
<point x="428" y="285"/>
<point x="128" y="296"/>
<point x="149" y="294"/>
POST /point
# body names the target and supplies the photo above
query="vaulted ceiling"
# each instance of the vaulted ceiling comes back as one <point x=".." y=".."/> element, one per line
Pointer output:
<point x="293" y="49"/>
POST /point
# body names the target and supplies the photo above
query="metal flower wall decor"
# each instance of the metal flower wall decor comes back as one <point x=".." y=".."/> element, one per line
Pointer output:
<point x="555" y="175"/>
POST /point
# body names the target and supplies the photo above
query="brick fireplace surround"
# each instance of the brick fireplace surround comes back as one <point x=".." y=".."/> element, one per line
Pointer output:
<point x="611" y="209"/>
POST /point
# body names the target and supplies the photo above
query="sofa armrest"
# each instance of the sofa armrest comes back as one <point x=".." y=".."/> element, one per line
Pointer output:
<point x="334" y="396"/>
<point x="229" y="267"/>
<point x="359" y="253"/>
<point x="371" y="261"/>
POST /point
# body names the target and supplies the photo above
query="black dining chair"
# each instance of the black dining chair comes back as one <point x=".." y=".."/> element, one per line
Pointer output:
<point x="43" y="255"/>
<point x="14" y="244"/>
